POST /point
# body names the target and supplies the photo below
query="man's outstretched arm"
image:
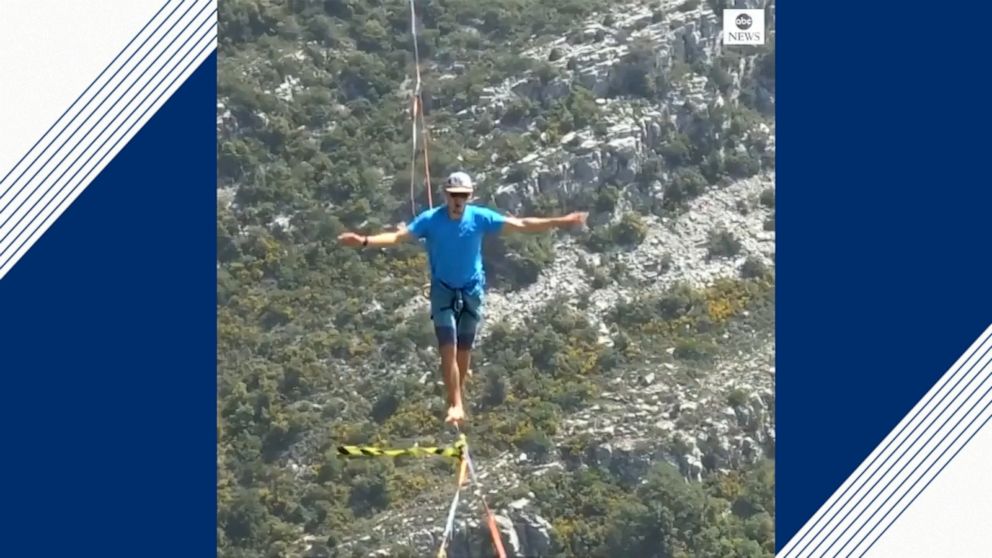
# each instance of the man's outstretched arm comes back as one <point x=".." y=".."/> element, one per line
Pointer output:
<point x="541" y="224"/>
<point x="375" y="240"/>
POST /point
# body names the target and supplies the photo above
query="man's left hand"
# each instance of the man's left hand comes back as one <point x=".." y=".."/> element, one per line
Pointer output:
<point x="576" y="219"/>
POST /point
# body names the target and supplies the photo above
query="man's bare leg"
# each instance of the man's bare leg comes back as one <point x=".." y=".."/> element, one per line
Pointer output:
<point x="463" y="358"/>
<point x="452" y="381"/>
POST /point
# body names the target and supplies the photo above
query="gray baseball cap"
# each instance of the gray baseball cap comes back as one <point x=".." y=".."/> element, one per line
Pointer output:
<point x="458" y="183"/>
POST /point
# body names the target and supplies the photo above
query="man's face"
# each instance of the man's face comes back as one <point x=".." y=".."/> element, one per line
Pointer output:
<point x="456" y="203"/>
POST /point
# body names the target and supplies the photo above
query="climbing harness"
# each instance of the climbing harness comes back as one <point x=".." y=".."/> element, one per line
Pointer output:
<point x="457" y="303"/>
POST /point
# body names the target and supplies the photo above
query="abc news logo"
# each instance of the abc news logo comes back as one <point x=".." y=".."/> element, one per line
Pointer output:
<point x="743" y="27"/>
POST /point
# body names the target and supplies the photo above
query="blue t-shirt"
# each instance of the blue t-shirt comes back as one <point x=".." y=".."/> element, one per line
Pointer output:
<point x="454" y="248"/>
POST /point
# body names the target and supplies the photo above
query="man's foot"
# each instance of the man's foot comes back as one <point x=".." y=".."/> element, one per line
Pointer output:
<point x="456" y="415"/>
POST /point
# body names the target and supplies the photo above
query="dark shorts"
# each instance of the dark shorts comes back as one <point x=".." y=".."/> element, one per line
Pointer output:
<point x="456" y="315"/>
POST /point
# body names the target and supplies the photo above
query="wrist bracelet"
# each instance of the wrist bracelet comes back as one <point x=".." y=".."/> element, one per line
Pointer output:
<point x="365" y="242"/>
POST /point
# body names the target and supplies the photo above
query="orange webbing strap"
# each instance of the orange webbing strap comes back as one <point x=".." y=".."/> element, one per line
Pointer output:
<point x="427" y="161"/>
<point x="417" y="107"/>
<point x="462" y="472"/>
<point x="494" y="531"/>
<point x="413" y="161"/>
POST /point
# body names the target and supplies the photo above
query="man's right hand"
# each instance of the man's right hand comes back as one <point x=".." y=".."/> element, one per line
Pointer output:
<point x="351" y="239"/>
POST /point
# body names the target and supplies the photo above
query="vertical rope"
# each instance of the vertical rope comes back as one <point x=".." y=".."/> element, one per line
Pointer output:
<point x="449" y="527"/>
<point x="417" y="111"/>
<point x="417" y="103"/>
<point x="490" y="517"/>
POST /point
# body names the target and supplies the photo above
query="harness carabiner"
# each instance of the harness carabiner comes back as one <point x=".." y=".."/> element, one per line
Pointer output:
<point x="458" y="304"/>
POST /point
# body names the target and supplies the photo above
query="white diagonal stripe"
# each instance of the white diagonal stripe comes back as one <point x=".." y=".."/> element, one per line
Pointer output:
<point x="101" y="122"/>
<point x="905" y="462"/>
<point x="969" y="428"/>
<point x="50" y="52"/>
<point x="90" y="100"/>
<point x="895" y="483"/>
<point x="950" y="517"/>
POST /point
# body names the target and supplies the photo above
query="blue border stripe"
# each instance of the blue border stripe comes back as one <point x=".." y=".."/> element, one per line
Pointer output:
<point x="884" y="465"/>
<point x="975" y="363"/>
<point x="25" y="213"/>
<point x="108" y="349"/>
<point x="100" y="128"/>
<point x="821" y="518"/>
<point x="882" y="283"/>
<point x="203" y="50"/>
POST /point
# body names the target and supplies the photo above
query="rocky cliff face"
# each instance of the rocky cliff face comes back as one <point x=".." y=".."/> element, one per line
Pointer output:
<point x="595" y="57"/>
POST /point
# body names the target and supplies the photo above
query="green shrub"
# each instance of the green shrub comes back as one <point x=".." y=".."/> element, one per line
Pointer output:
<point x="677" y="302"/>
<point x="753" y="268"/>
<point x="514" y="261"/>
<point x="767" y="198"/>
<point x="631" y="230"/>
<point x="666" y="263"/>
<point x="628" y="232"/>
<point x="516" y="112"/>
<point x="742" y="165"/>
<point x="695" y="350"/>
<point x="607" y="198"/>
<point x="742" y="207"/>
<point x="599" y="239"/>
<point x="545" y="72"/>
<point x="485" y="125"/>
<point x="769" y="224"/>
<point x="534" y="442"/>
<point x="737" y="398"/>
<point x="369" y="495"/>
<point x="687" y="184"/>
<point x="676" y="151"/>
<point x="636" y="74"/>
<point x="495" y="386"/>
<point x="600" y="278"/>
<point x="721" y="243"/>
<point x="518" y="173"/>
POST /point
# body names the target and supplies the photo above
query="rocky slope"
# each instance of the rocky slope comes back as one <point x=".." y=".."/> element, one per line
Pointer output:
<point x="653" y="414"/>
<point x="580" y="161"/>
<point x="673" y="251"/>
